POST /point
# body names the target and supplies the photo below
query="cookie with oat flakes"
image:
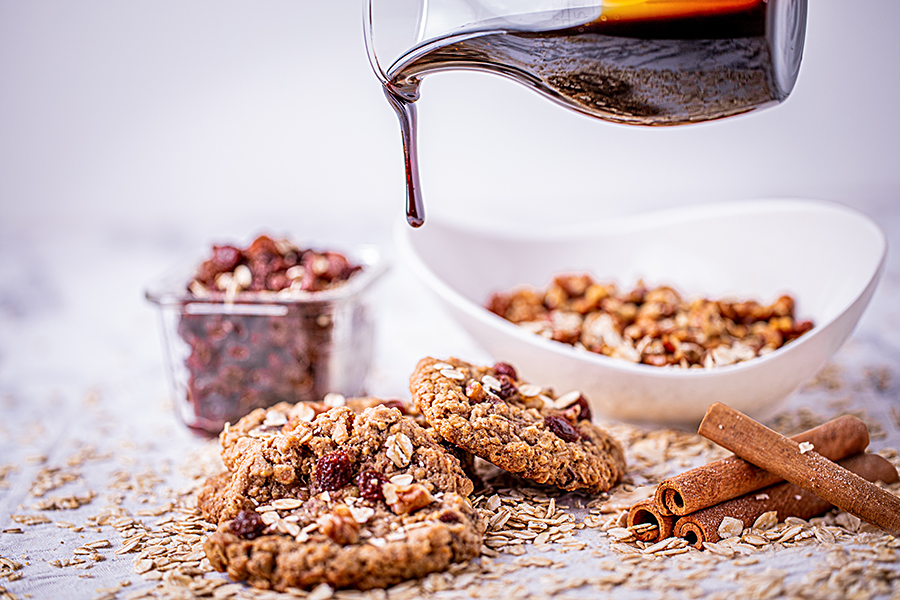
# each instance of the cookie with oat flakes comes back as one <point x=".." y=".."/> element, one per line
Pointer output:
<point x="255" y="428"/>
<point x="386" y="534"/>
<point x="298" y="458"/>
<point x="517" y="426"/>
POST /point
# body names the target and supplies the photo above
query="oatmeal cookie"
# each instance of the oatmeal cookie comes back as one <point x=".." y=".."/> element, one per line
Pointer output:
<point x="385" y="534"/>
<point x="517" y="426"/>
<point x="299" y="455"/>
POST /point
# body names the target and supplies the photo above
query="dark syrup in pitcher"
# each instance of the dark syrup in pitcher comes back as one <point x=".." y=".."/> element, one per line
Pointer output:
<point x="675" y="62"/>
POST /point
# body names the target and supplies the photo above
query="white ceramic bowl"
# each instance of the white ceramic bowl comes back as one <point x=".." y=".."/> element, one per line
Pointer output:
<point x="827" y="256"/>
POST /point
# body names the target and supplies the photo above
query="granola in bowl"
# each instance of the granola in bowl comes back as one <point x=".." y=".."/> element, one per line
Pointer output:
<point x="652" y="326"/>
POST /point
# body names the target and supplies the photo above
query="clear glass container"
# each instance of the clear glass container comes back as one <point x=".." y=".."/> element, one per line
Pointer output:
<point x="228" y="355"/>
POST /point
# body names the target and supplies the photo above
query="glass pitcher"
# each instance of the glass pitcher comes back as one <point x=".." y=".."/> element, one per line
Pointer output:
<point x="638" y="62"/>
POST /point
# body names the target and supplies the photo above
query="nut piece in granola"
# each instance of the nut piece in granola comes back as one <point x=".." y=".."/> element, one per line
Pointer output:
<point x="655" y="327"/>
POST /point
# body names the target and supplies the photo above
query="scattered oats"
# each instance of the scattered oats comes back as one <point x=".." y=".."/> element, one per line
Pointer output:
<point x="672" y="543"/>
<point x="621" y="534"/>
<point x="730" y="527"/>
<point x="796" y="521"/>
<point x="848" y="521"/>
<point x="65" y="502"/>
<point x="766" y="521"/>
<point x="754" y="539"/>
<point x="717" y="548"/>
<point x="805" y="447"/>
<point x="144" y="565"/>
<point x="624" y="549"/>
<point x="762" y="497"/>
<point x="534" y="561"/>
<point x="30" y="519"/>
<point x="824" y="535"/>
<point x="643" y="527"/>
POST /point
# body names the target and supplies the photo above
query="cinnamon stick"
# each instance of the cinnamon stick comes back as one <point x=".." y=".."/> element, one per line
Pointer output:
<point x="786" y="499"/>
<point x="646" y="511"/>
<point x="732" y="477"/>
<point x="803" y="467"/>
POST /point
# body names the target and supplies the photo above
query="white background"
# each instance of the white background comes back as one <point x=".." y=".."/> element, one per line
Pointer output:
<point x="221" y="118"/>
<point x="134" y="134"/>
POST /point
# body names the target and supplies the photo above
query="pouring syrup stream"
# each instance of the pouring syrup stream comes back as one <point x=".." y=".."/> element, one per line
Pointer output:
<point x="406" y="112"/>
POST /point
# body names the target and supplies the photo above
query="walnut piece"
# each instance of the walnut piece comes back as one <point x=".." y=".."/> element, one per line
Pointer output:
<point x="406" y="499"/>
<point x="340" y="525"/>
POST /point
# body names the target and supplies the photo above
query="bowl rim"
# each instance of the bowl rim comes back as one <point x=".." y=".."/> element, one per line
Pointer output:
<point x="170" y="289"/>
<point x="625" y="224"/>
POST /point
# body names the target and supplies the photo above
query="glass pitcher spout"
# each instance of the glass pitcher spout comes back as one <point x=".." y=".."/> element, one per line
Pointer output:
<point x="636" y="62"/>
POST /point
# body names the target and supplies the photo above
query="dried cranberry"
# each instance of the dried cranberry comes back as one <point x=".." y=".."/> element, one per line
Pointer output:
<point x="583" y="412"/>
<point x="262" y="248"/>
<point x="369" y="483"/>
<point x="333" y="471"/>
<point x="502" y="368"/>
<point x="562" y="428"/>
<point x="224" y="260"/>
<point x="276" y="282"/>
<point x="247" y="524"/>
<point x="508" y="387"/>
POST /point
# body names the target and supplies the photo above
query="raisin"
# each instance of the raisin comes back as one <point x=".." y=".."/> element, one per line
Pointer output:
<point x="449" y="516"/>
<point x="247" y="524"/>
<point x="583" y="412"/>
<point x="333" y="471"/>
<point x="508" y="387"/>
<point x="369" y="483"/>
<point x="562" y="428"/>
<point x="502" y="368"/>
